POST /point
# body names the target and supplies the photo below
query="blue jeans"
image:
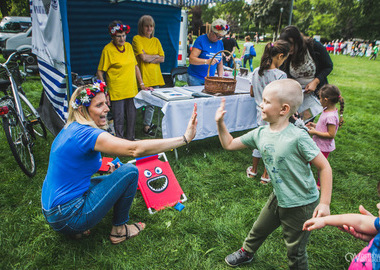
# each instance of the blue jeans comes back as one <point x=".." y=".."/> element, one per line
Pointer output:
<point x="80" y="214"/>
<point x="248" y="57"/>
<point x="194" y="81"/>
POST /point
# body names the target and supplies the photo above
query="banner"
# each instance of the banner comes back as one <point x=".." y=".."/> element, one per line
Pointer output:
<point x="47" y="40"/>
<point x="48" y="45"/>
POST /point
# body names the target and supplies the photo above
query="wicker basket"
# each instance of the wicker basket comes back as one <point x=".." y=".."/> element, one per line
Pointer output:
<point x="225" y="86"/>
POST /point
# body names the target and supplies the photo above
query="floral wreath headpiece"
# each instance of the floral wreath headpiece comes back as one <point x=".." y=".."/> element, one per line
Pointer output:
<point x="221" y="27"/>
<point x="85" y="96"/>
<point x="120" y="27"/>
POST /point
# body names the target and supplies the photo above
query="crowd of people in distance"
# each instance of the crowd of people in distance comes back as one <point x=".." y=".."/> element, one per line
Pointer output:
<point x="353" y="48"/>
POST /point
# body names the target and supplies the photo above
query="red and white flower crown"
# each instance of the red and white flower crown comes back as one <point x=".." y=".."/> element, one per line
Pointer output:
<point x="221" y="27"/>
<point x="86" y="95"/>
<point x="120" y="28"/>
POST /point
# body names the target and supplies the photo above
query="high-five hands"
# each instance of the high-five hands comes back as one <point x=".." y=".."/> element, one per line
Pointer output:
<point x="191" y="129"/>
<point x="220" y="112"/>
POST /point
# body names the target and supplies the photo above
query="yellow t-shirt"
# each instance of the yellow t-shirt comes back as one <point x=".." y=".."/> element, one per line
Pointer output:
<point x="120" y="71"/>
<point x="151" y="73"/>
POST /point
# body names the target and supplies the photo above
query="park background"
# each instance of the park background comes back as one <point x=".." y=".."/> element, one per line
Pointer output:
<point x="330" y="19"/>
<point x="222" y="202"/>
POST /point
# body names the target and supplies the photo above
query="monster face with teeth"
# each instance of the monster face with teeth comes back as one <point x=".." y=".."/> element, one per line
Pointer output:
<point x="156" y="180"/>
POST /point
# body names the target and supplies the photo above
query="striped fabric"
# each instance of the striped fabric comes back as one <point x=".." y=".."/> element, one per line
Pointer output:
<point x="54" y="84"/>
<point x="178" y="3"/>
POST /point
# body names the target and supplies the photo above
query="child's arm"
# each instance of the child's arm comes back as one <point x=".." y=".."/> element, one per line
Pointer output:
<point x="361" y="223"/>
<point x="330" y="134"/>
<point x="325" y="175"/>
<point x="227" y="141"/>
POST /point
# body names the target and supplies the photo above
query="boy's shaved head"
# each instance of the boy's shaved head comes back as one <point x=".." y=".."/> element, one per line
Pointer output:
<point x="287" y="91"/>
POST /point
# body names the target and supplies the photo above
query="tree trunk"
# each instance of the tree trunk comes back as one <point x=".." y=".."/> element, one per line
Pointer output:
<point x="4" y="7"/>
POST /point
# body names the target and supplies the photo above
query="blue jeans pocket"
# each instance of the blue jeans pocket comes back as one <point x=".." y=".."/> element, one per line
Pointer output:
<point x="59" y="216"/>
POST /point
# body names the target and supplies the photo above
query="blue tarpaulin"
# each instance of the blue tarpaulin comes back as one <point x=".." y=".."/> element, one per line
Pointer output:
<point x="88" y="30"/>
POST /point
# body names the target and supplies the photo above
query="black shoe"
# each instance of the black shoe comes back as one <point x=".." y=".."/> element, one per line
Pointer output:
<point x="238" y="257"/>
<point x="150" y="131"/>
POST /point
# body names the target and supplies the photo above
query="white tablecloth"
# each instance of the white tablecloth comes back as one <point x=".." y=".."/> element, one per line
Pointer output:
<point x="241" y="113"/>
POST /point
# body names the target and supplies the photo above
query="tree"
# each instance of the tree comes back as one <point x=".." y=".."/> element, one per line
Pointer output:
<point x="266" y="13"/>
<point x="234" y="12"/>
<point x="5" y="7"/>
<point x="14" y="8"/>
<point x="196" y="22"/>
<point x="368" y="24"/>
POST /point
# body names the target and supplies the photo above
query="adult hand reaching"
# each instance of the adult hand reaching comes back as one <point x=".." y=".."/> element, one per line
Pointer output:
<point x="311" y="86"/>
<point x="213" y="62"/>
<point x="353" y="232"/>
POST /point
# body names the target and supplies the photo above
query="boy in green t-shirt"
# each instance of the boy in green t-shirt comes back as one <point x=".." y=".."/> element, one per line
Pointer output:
<point x="374" y="52"/>
<point x="287" y="152"/>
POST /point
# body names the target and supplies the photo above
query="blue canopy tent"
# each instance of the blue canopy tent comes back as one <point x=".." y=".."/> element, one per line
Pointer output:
<point x="69" y="35"/>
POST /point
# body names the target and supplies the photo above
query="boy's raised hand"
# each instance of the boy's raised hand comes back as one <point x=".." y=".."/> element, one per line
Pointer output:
<point x="220" y="112"/>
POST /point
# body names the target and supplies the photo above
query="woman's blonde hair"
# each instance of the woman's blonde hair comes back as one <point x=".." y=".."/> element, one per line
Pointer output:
<point x="80" y="114"/>
<point x="145" y="20"/>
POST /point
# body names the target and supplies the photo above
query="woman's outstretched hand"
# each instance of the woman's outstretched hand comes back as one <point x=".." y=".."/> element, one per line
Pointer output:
<point x="192" y="125"/>
<point x="220" y="112"/>
<point x="353" y="232"/>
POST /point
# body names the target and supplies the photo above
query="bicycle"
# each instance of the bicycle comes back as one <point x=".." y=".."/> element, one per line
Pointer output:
<point x="21" y="121"/>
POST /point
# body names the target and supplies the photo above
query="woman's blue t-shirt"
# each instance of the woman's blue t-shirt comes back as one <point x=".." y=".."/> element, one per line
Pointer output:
<point x="73" y="161"/>
<point x="208" y="50"/>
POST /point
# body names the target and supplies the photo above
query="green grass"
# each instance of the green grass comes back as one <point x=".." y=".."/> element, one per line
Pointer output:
<point x="222" y="202"/>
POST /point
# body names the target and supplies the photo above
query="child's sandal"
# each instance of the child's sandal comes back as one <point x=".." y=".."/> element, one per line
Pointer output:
<point x="249" y="172"/>
<point x="264" y="181"/>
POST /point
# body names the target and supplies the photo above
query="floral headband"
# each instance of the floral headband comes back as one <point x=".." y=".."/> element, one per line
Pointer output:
<point x="221" y="27"/>
<point x="120" y="27"/>
<point x="85" y="96"/>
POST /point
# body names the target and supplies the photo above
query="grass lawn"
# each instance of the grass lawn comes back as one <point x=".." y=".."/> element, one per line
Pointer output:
<point x="222" y="202"/>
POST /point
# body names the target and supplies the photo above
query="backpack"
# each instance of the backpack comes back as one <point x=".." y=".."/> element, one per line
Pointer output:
<point x="252" y="51"/>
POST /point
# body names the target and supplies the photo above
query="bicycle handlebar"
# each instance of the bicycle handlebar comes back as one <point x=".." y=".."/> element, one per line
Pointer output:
<point x="23" y="51"/>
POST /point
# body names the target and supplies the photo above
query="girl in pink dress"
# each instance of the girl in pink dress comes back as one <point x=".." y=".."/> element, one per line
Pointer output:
<point x="325" y="130"/>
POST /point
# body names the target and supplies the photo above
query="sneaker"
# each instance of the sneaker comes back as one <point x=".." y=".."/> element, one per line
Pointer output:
<point x="238" y="257"/>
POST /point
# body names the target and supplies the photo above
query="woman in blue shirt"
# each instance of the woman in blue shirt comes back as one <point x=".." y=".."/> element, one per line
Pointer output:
<point x="72" y="201"/>
<point x="204" y="48"/>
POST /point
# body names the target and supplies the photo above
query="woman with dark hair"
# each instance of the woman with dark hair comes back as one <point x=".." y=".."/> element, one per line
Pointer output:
<point x="308" y="63"/>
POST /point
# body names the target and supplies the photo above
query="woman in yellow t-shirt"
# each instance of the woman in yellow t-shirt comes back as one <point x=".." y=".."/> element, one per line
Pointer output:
<point x="149" y="54"/>
<point x="119" y="64"/>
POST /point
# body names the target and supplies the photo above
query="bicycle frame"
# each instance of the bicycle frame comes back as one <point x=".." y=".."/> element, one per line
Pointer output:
<point x="15" y="93"/>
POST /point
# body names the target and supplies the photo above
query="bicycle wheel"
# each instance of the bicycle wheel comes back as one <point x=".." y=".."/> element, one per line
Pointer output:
<point x="19" y="142"/>
<point x="32" y="116"/>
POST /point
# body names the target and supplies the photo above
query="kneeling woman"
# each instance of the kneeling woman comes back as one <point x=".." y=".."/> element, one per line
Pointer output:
<point x="72" y="201"/>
